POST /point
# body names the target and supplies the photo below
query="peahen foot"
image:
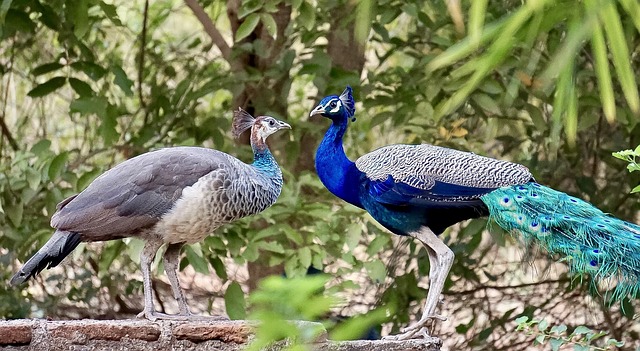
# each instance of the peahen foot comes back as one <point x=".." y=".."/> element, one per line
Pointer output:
<point x="153" y="316"/>
<point x="416" y="330"/>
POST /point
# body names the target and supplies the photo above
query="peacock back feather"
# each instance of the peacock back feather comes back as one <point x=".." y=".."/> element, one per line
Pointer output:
<point x="589" y="240"/>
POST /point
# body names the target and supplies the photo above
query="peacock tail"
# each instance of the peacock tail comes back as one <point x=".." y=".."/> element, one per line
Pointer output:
<point x="588" y="239"/>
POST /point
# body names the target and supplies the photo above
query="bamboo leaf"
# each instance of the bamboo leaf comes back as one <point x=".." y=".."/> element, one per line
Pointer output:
<point x="601" y="66"/>
<point x="620" y="54"/>
<point x="477" y="14"/>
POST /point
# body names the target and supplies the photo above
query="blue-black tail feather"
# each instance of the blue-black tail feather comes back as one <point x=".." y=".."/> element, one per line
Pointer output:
<point x="50" y="255"/>
<point x="588" y="239"/>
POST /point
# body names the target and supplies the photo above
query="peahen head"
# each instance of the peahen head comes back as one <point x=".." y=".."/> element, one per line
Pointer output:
<point x="261" y="126"/>
<point x="338" y="108"/>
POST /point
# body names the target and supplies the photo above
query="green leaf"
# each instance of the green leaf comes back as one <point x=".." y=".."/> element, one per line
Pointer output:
<point x="46" y="68"/>
<point x="33" y="178"/>
<point x="80" y="16"/>
<point x="555" y="343"/>
<point x="121" y="80"/>
<point x="269" y="24"/>
<point x="486" y="103"/>
<point x="540" y="339"/>
<point x="41" y="147"/>
<point x="47" y="87"/>
<point x="56" y="165"/>
<point x="581" y="329"/>
<point x="81" y="88"/>
<point x="14" y="212"/>
<point x="196" y="260"/>
<point x="601" y="66"/>
<point x="111" y="13"/>
<point x="85" y="105"/>
<point x="304" y="254"/>
<point x="558" y="329"/>
<point x="85" y="179"/>
<point x="234" y="302"/>
<point x="307" y="15"/>
<point x="477" y="13"/>
<point x="247" y="26"/>
<point x="636" y="189"/>
<point x="376" y="269"/>
<point x="91" y="69"/>
<point x="521" y="320"/>
<point x="218" y="267"/>
<point x="620" y="54"/>
<point x="542" y="326"/>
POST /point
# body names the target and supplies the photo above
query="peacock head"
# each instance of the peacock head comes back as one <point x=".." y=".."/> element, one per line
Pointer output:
<point x="338" y="108"/>
<point x="261" y="126"/>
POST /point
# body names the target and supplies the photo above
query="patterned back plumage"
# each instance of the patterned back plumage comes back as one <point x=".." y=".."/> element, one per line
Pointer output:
<point x="421" y="165"/>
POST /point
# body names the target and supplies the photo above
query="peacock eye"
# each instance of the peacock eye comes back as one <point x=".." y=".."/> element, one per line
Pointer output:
<point x="332" y="104"/>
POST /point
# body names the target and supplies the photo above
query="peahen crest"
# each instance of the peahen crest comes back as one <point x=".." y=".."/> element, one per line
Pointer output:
<point x="242" y="121"/>
<point x="589" y="240"/>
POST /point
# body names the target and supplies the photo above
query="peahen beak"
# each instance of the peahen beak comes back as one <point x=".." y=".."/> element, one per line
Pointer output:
<point x="317" y="111"/>
<point x="284" y="125"/>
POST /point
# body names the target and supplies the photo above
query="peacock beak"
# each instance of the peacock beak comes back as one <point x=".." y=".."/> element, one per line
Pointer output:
<point x="317" y="111"/>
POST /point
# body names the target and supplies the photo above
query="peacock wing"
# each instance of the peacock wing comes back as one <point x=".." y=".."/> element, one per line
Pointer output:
<point x="427" y="175"/>
<point x="136" y="193"/>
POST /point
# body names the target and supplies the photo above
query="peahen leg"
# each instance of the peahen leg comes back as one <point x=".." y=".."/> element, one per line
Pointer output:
<point x="146" y="258"/>
<point x="171" y="261"/>
<point x="440" y="260"/>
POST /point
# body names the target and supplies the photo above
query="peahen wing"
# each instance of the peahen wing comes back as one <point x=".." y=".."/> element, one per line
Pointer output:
<point x="433" y="176"/>
<point x="136" y="193"/>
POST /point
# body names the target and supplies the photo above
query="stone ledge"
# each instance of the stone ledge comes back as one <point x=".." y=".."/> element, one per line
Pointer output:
<point x="143" y="335"/>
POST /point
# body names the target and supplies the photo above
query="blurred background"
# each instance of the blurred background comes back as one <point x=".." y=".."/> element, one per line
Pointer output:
<point x="85" y="84"/>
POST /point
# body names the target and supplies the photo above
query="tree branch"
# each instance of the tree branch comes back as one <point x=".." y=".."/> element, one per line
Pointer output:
<point x="143" y="44"/>
<point x="5" y="130"/>
<point x="210" y="28"/>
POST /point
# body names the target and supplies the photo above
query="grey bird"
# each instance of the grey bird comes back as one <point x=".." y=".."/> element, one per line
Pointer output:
<point x="172" y="196"/>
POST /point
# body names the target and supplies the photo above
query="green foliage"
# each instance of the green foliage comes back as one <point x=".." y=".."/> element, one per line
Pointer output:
<point x="581" y="338"/>
<point x="630" y="157"/>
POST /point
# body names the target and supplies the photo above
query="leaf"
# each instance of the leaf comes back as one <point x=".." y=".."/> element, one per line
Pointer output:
<point x="620" y="54"/>
<point x="542" y="326"/>
<point x="581" y="329"/>
<point x="218" y="267"/>
<point x="269" y="24"/>
<point x="636" y="189"/>
<point x="14" y="212"/>
<point x="91" y="69"/>
<point x="486" y="103"/>
<point x="80" y="14"/>
<point x="477" y="13"/>
<point x="47" y="87"/>
<point x="121" y="80"/>
<point x="46" y="68"/>
<point x="33" y="178"/>
<point x="540" y="339"/>
<point x="41" y="147"/>
<point x="84" y="105"/>
<point x="81" y="88"/>
<point x="247" y="26"/>
<point x="376" y="269"/>
<point x="234" y="301"/>
<point x="558" y="329"/>
<point x="307" y="15"/>
<point x="111" y="13"/>
<point x="601" y="66"/>
<point x="555" y="343"/>
<point x="197" y="261"/>
<point x="304" y="255"/>
<point x="521" y="320"/>
<point x="86" y="179"/>
<point x="55" y="167"/>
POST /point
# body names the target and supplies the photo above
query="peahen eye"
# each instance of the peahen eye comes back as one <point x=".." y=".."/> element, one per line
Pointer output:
<point x="272" y="122"/>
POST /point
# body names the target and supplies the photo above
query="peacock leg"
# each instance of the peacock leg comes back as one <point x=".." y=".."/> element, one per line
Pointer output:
<point x="171" y="261"/>
<point x="146" y="258"/>
<point x="440" y="259"/>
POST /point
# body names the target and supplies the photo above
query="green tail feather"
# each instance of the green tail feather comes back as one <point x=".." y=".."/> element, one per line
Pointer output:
<point x="588" y="239"/>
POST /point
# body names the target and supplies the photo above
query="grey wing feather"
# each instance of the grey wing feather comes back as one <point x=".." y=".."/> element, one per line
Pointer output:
<point x="137" y="192"/>
<point x="422" y="165"/>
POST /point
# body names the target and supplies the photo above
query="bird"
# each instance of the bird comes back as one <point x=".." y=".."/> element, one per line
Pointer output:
<point x="420" y="190"/>
<point x="171" y="196"/>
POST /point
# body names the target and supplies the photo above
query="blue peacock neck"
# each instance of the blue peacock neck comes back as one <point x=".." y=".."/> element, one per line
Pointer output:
<point x="265" y="163"/>
<point x="335" y="170"/>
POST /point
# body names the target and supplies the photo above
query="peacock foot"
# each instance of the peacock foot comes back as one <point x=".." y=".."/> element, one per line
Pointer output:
<point x="416" y="330"/>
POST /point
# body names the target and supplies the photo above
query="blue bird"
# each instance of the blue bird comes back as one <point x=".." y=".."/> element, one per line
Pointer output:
<point x="420" y="190"/>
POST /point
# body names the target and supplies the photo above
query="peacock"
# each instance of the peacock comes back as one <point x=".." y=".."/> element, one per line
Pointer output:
<point x="420" y="190"/>
<point x="172" y="196"/>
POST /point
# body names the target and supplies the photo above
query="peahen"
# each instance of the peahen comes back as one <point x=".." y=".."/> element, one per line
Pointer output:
<point x="420" y="190"/>
<point x="171" y="196"/>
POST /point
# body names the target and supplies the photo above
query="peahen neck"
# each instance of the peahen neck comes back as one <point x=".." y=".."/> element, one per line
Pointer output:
<point x="335" y="170"/>
<point x="265" y="163"/>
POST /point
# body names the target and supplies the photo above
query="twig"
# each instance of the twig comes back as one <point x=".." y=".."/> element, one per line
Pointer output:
<point x="210" y="28"/>
<point x="5" y="130"/>
<point x="143" y="44"/>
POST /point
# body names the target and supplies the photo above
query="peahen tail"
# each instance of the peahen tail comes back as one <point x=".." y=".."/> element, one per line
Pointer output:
<point x="588" y="239"/>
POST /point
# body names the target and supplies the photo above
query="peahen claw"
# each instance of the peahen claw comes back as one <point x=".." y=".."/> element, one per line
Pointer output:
<point x="415" y="330"/>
